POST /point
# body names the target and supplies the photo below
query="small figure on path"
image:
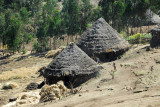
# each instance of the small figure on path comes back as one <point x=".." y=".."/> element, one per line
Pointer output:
<point x="114" y="65"/>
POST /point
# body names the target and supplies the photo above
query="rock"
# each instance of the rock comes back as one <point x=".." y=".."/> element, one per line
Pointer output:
<point x="148" y="48"/>
<point x="128" y="88"/>
<point x="24" y="96"/>
<point x="129" y="65"/>
<point x="141" y="89"/>
<point x="12" y="99"/>
<point x="157" y="60"/>
<point x="98" y="87"/>
<point x="110" y="89"/>
<point x="33" y="77"/>
<point x="10" y="85"/>
<point x="105" y="80"/>
<point x="140" y="73"/>
<point x="32" y="86"/>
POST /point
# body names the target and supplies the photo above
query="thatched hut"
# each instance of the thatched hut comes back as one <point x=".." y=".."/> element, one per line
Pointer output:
<point x="152" y="18"/>
<point x="71" y="65"/>
<point x="155" y="41"/>
<point x="102" y="41"/>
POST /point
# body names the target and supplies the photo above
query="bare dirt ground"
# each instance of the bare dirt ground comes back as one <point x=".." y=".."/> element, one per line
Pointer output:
<point x="136" y="83"/>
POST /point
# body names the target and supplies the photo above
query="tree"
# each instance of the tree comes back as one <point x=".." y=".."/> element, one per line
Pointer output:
<point x="85" y="14"/>
<point x="118" y="11"/>
<point x="154" y="5"/>
<point x="34" y="6"/>
<point x="106" y="9"/>
<point x="2" y="29"/>
<point x="55" y="26"/>
<point x="95" y="14"/>
<point x="24" y="14"/>
<point x="70" y="11"/>
<point x="42" y="36"/>
<point x="12" y="29"/>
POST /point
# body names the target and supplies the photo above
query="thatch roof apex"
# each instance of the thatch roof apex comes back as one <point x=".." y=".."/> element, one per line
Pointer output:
<point x="101" y="37"/>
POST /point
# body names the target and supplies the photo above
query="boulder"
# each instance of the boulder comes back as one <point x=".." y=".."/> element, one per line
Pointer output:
<point x="10" y="85"/>
<point x="32" y="86"/>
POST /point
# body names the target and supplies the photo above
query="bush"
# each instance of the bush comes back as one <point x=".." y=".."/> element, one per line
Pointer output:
<point x="29" y="38"/>
<point x="36" y="47"/>
<point x="47" y="49"/>
<point x="123" y="34"/>
<point x="24" y="51"/>
<point x="139" y="38"/>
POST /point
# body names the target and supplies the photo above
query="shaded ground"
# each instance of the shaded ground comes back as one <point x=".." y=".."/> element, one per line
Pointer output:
<point x="27" y="60"/>
<point x="136" y="83"/>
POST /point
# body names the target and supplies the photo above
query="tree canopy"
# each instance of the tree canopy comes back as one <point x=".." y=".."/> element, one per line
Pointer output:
<point x="22" y="20"/>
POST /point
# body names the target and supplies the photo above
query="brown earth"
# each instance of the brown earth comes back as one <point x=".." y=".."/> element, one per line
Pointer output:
<point x="136" y="83"/>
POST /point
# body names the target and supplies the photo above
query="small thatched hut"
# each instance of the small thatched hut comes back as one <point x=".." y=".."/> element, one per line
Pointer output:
<point x="71" y="65"/>
<point x="155" y="41"/>
<point x="102" y="41"/>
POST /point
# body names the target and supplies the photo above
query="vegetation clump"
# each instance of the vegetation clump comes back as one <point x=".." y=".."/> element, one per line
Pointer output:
<point x="139" y="38"/>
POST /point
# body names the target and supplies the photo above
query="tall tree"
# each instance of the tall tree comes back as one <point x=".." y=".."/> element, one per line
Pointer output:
<point x="107" y="7"/>
<point x="2" y="29"/>
<point x="71" y="16"/>
<point x="12" y="28"/>
<point x="85" y="14"/>
<point x="118" y="11"/>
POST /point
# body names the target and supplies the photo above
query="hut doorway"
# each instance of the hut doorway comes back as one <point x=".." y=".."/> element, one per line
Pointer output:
<point x="69" y="82"/>
<point x="66" y="79"/>
<point x="108" y="57"/>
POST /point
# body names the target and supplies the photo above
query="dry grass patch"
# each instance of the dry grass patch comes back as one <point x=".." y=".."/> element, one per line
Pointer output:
<point x="18" y="73"/>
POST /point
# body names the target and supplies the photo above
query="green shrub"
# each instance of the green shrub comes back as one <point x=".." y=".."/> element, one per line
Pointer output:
<point x="139" y="38"/>
<point x="29" y="38"/>
<point x="37" y="47"/>
<point x="24" y="51"/>
<point x="146" y="35"/>
<point x="123" y="34"/>
<point x="88" y="25"/>
<point x="47" y="49"/>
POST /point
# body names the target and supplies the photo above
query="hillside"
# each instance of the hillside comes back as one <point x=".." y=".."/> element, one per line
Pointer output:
<point x="34" y="32"/>
<point x="136" y="81"/>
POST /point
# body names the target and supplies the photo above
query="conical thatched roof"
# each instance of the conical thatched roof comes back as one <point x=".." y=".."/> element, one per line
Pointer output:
<point x="72" y="62"/>
<point x="152" y="17"/>
<point x="100" y="38"/>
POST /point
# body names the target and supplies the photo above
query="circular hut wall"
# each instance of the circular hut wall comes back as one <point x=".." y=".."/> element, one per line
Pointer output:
<point x="155" y="41"/>
<point x="107" y="57"/>
<point x="76" y="80"/>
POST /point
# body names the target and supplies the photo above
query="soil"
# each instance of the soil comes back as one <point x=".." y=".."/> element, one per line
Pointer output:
<point x="136" y="82"/>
